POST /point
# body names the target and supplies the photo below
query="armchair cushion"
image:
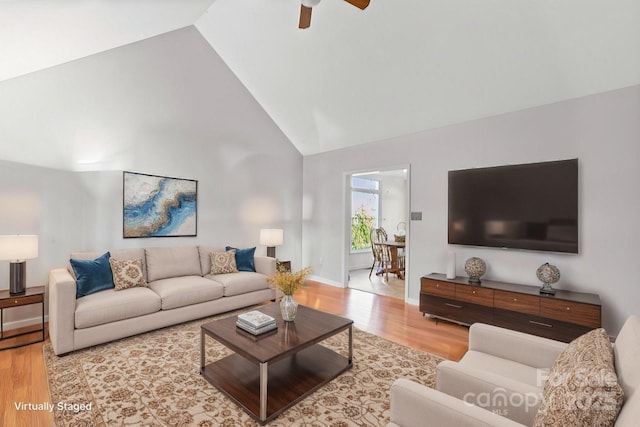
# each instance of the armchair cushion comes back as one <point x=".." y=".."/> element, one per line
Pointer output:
<point x="582" y="388"/>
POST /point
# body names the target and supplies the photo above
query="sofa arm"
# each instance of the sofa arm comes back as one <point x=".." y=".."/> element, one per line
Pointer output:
<point x="414" y="404"/>
<point x="62" y="308"/>
<point x="265" y="265"/>
<point x="527" y="349"/>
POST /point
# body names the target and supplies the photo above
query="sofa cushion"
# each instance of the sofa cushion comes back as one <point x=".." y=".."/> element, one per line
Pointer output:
<point x="582" y="387"/>
<point x="163" y="263"/>
<point x="92" y="275"/>
<point x="187" y="290"/>
<point x="109" y="306"/>
<point x="241" y="282"/>
<point x="244" y="258"/>
<point x="223" y="262"/>
<point x="127" y="273"/>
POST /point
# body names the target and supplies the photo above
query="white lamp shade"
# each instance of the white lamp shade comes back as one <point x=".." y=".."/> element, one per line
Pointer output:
<point x="310" y="3"/>
<point x="18" y="247"/>
<point x="271" y="236"/>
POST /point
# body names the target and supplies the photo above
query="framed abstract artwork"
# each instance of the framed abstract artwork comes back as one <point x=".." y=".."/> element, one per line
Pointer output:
<point x="159" y="206"/>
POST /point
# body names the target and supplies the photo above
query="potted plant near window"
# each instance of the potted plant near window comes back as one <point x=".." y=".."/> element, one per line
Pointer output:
<point x="288" y="283"/>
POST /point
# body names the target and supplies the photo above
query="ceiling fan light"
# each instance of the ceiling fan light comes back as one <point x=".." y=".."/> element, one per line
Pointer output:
<point x="310" y="3"/>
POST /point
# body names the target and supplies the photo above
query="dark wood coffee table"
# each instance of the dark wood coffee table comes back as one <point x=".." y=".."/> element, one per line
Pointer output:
<point x="271" y="372"/>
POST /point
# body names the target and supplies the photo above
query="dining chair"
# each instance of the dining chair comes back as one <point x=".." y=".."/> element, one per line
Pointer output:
<point x="385" y="258"/>
<point x="380" y="235"/>
<point x="374" y="251"/>
<point x="381" y="256"/>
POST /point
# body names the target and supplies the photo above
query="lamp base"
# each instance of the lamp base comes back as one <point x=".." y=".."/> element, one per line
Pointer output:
<point x="271" y="251"/>
<point x="17" y="278"/>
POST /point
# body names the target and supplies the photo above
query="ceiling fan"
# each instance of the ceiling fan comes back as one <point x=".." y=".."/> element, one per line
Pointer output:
<point x="307" y="5"/>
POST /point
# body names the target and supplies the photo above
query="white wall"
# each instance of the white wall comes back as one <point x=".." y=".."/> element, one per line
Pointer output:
<point x="602" y="131"/>
<point x="166" y="106"/>
<point x="393" y="204"/>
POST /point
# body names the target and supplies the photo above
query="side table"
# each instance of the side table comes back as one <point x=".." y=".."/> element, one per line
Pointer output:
<point x="32" y="295"/>
<point x="283" y="265"/>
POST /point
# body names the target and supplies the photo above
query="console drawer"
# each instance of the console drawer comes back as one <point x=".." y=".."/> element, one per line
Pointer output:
<point x="475" y="295"/>
<point x="20" y="300"/>
<point x="457" y="311"/>
<point x="573" y="312"/>
<point x="540" y="326"/>
<point x="517" y="302"/>
<point x="436" y="287"/>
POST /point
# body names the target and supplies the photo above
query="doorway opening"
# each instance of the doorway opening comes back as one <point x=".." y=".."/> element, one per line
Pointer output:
<point x="378" y="200"/>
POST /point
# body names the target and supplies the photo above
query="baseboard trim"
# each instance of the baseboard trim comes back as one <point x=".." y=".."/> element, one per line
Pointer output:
<point x="412" y="301"/>
<point x="326" y="281"/>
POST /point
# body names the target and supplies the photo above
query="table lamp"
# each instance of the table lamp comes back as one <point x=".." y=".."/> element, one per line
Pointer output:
<point x="271" y="237"/>
<point x="17" y="248"/>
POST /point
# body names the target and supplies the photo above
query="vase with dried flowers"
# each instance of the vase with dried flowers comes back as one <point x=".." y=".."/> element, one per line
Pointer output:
<point x="288" y="283"/>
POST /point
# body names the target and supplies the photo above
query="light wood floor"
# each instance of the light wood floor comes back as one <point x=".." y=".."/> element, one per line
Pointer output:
<point x="380" y="285"/>
<point x="23" y="375"/>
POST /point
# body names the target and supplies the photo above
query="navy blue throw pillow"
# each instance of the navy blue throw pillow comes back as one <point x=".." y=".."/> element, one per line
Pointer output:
<point x="244" y="258"/>
<point x="92" y="275"/>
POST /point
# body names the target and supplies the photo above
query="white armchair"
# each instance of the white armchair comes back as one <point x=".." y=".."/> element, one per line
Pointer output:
<point x="500" y="381"/>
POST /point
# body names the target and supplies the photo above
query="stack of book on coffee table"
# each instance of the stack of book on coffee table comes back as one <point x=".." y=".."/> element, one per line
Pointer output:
<point x="256" y="322"/>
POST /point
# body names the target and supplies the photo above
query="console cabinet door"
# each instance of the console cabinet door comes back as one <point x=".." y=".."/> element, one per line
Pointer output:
<point x="475" y="295"/>
<point x="436" y="287"/>
<point x="514" y="301"/>
<point x="574" y="312"/>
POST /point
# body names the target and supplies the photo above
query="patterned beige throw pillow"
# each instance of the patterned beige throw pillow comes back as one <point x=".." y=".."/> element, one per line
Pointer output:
<point x="127" y="273"/>
<point x="223" y="262"/>
<point x="582" y="388"/>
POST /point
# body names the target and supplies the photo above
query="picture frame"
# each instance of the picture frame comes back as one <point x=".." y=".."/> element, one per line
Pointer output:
<point x="158" y="206"/>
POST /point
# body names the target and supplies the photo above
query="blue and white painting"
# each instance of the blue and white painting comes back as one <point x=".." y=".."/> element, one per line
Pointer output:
<point x="157" y="206"/>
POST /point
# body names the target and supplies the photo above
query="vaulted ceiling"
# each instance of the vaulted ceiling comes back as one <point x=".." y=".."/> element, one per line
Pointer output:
<point x="398" y="67"/>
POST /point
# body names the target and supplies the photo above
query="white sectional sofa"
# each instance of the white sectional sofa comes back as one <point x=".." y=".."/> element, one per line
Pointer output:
<point x="180" y="288"/>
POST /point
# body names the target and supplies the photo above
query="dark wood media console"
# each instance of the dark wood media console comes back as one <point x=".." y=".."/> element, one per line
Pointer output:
<point x="563" y="316"/>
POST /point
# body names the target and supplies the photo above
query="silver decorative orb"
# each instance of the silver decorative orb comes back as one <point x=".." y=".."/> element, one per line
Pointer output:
<point x="475" y="268"/>
<point x="548" y="274"/>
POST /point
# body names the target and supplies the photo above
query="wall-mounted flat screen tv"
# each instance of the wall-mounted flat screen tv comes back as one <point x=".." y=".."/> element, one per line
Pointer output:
<point x="528" y="206"/>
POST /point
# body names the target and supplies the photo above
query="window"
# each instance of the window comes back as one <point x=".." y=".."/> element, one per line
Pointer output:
<point x="365" y="207"/>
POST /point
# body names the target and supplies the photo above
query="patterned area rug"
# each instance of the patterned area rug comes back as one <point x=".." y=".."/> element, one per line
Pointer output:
<point x="154" y="379"/>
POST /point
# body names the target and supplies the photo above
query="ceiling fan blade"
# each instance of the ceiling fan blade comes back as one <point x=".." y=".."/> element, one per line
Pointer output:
<point x="305" y="17"/>
<point x="360" y="4"/>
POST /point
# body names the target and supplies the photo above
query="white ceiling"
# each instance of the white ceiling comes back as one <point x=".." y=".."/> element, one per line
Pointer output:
<point x="398" y="67"/>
